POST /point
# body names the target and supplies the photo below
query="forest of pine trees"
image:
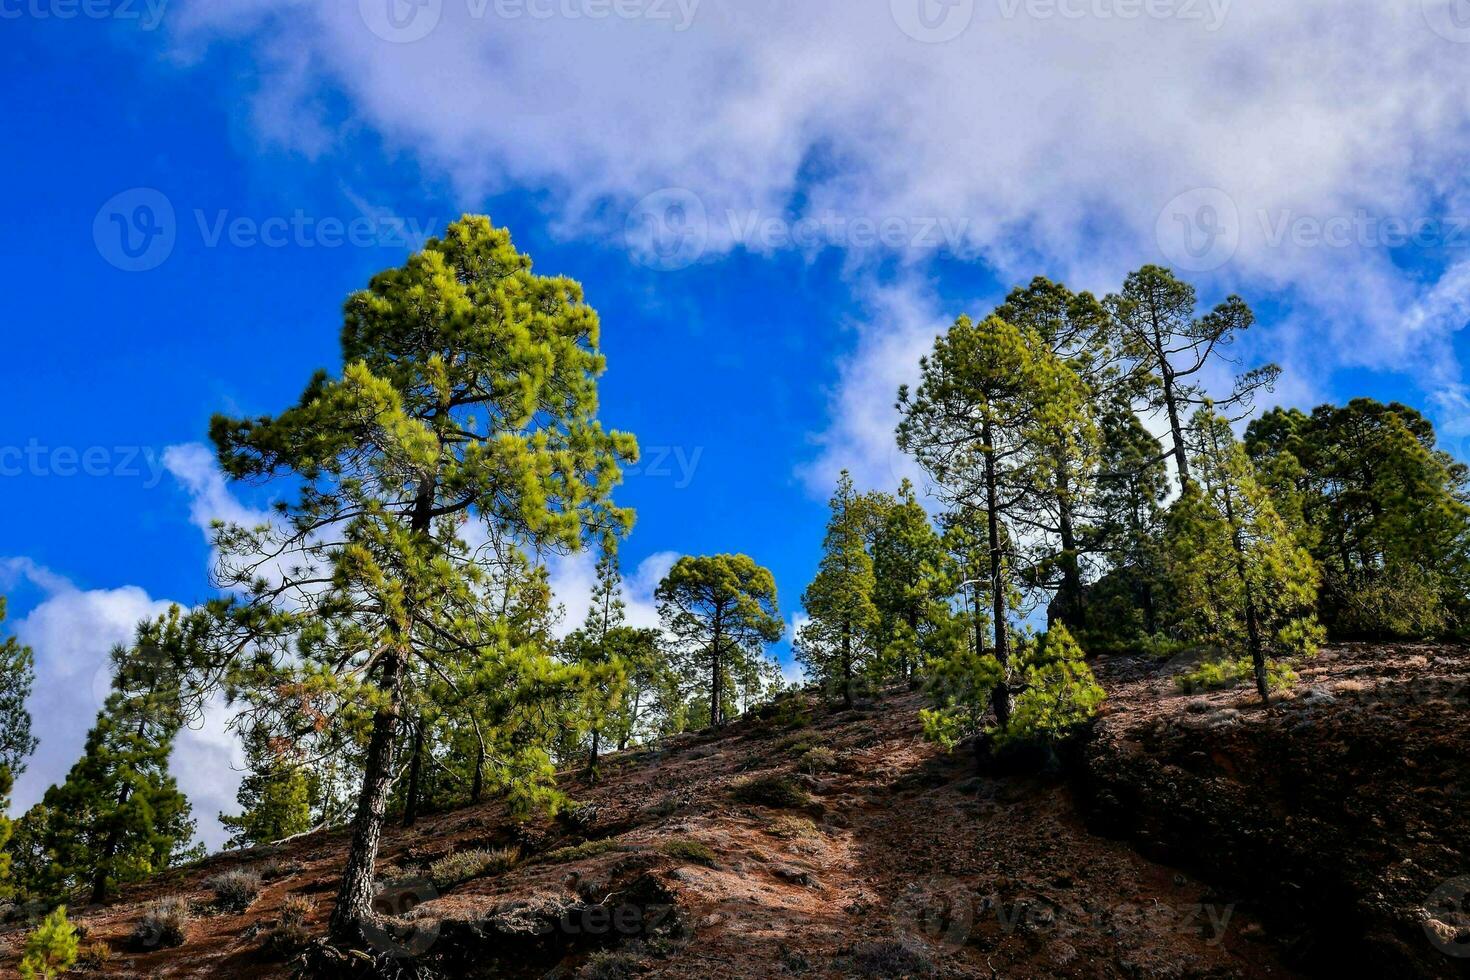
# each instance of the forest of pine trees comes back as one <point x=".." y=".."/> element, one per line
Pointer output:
<point x="389" y="644"/>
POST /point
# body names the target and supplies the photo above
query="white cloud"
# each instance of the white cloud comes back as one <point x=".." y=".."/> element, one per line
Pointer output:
<point x="1051" y="138"/>
<point x="794" y="673"/>
<point x="71" y="632"/>
<point x="574" y="576"/>
<point x="210" y="499"/>
<point x="900" y="327"/>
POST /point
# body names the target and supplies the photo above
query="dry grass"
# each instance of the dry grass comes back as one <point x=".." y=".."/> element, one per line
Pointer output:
<point x="164" y="924"/>
<point x="776" y="791"/>
<point x="235" y="890"/>
<point x="688" y="849"/>
<point x="466" y="865"/>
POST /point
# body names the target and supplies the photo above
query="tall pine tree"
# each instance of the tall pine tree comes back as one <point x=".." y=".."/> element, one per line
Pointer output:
<point x="119" y="815"/>
<point x="1170" y="348"/>
<point x="914" y="581"/>
<point x="596" y="646"/>
<point x="992" y="416"/>
<point x="721" y="611"/>
<point x="838" y="643"/>
<point x="17" y="676"/>
<point x="1079" y="331"/>
<point x="1240" y="578"/>
<point x="465" y="409"/>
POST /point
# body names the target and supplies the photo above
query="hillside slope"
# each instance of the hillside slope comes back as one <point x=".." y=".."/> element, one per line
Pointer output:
<point x="848" y="847"/>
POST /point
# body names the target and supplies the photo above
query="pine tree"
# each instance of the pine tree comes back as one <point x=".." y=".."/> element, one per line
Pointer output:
<point x="596" y="645"/>
<point x="1058" y="690"/>
<point x="721" y="611"/>
<point x="988" y="421"/>
<point x="1126" y="606"/>
<point x="839" y="642"/>
<point x="1170" y="348"/>
<point x="51" y="949"/>
<point x="276" y="794"/>
<point x="7" y="831"/>
<point x="1077" y="329"/>
<point x="465" y="409"/>
<point x="1240" y="578"/>
<point x="650" y="697"/>
<point x="1382" y="508"/>
<point x="914" y="579"/>
<point x="17" y="675"/>
<point x="119" y="816"/>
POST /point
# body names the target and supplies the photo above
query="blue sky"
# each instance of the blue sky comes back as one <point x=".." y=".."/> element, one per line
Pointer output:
<point x="772" y="206"/>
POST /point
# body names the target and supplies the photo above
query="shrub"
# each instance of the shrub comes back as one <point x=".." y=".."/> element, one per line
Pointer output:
<point x="891" y="959"/>
<point x="465" y="865"/>
<point x="580" y="852"/>
<point x="609" y="965"/>
<point x="787" y="827"/>
<point x="289" y="935"/>
<point x="580" y="819"/>
<point x="273" y="868"/>
<point x="792" y="712"/>
<point x="791" y="960"/>
<point x="780" y="792"/>
<point x="796" y="743"/>
<point x="163" y="925"/>
<point x="296" y="908"/>
<point x="51" y="949"/>
<point x="1217" y="674"/>
<point x="693" y="851"/>
<point x="235" y="889"/>
<point x="1058" y="694"/>
<point x="94" y="956"/>
<point x="818" y="759"/>
<point x="1401" y="603"/>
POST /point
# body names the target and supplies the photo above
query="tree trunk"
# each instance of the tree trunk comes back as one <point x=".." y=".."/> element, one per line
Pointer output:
<point x="846" y="668"/>
<point x="592" y="755"/>
<point x="355" y="898"/>
<point x="109" y="848"/>
<point x="1072" y="612"/>
<point x="1258" y="656"/>
<point x="1181" y="460"/>
<point x="1171" y="403"/>
<point x="415" y="776"/>
<point x="478" y="786"/>
<point x="716" y="692"/>
<point x="1252" y="627"/>
<point x="627" y="733"/>
<point x="1000" y="696"/>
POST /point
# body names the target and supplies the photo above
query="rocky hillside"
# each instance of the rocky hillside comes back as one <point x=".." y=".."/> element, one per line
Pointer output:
<point x="1189" y="836"/>
<point x="1345" y="808"/>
